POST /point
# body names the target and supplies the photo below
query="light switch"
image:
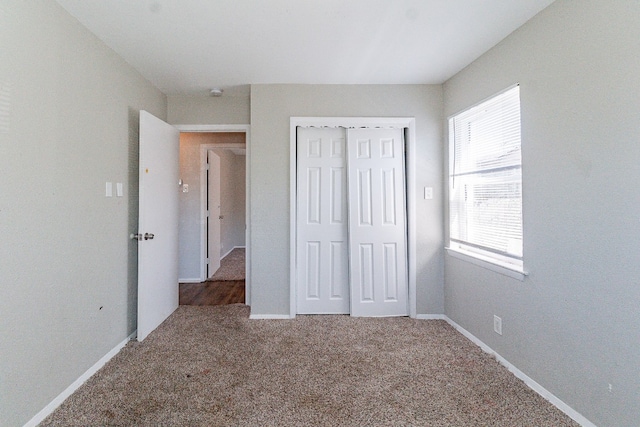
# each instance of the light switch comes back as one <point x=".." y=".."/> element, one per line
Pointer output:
<point x="119" y="190"/>
<point x="428" y="193"/>
<point x="108" y="189"/>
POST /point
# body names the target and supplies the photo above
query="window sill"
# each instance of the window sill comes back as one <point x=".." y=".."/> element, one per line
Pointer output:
<point x="509" y="271"/>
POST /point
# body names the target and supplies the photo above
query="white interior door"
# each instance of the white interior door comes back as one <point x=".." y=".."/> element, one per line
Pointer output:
<point x="213" y="209"/>
<point x="322" y="246"/>
<point x="158" y="223"/>
<point x="377" y="222"/>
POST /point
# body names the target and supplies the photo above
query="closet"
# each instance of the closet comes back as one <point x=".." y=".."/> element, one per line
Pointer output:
<point x="351" y="226"/>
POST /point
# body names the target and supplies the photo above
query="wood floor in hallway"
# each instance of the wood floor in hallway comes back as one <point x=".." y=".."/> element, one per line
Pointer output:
<point x="212" y="293"/>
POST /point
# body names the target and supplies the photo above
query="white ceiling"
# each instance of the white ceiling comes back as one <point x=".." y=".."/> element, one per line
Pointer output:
<point x="190" y="46"/>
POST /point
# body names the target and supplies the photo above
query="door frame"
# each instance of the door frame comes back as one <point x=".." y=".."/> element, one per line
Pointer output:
<point x="406" y="123"/>
<point x="246" y="129"/>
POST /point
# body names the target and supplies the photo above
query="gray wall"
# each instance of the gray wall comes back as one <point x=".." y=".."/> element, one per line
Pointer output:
<point x="232" y="189"/>
<point x="67" y="267"/>
<point x="207" y="110"/>
<point x="573" y="324"/>
<point x="233" y="197"/>
<point x="271" y="108"/>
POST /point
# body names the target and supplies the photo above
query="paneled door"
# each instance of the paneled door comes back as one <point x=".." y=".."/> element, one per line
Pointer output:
<point x="322" y="252"/>
<point x="351" y="226"/>
<point x="377" y="223"/>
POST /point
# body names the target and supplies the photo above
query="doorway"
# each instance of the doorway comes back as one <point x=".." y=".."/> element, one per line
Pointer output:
<point x="199" y="214"/>
<point x="224" y="207"/>
<point x="376" y="273"/>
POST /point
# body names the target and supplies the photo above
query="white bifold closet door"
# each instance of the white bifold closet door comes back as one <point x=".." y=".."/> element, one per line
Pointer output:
<point x="377" y="222"/>
<point x="322" y="246"/>
<point x="351" y="224"/>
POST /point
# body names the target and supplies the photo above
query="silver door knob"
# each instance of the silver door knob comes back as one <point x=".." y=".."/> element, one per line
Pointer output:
<point x="148" y="236"/>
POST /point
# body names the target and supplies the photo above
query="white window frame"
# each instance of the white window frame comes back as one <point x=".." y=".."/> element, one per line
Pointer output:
<point x="512" y="266"/>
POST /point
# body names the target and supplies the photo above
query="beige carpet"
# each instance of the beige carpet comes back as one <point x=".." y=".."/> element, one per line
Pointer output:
<point x="231" y="267"/>
<point x="212" y="366"/>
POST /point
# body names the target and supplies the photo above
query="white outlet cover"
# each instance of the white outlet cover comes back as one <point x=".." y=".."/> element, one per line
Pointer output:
<point x="185" y="188"/>
<point x="428" y="193"/>
<point x="497" y="325"/>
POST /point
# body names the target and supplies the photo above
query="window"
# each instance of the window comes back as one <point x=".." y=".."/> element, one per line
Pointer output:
<point x="485" y="181"/>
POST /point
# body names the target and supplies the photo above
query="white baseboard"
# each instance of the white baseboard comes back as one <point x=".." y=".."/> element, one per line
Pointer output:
<point x="47" y="410"/>
<point x="270" y="317"/>
<point x="191" y="280"/>
<point x="431" y="317"/>
<point x="231" y="250"/>
<point x="226" y="253"/>
<point x="572" y="413"/>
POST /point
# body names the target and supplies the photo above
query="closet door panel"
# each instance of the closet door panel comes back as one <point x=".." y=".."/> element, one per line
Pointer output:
<point x="322" y="274"/>
<point x="377" y="222"/>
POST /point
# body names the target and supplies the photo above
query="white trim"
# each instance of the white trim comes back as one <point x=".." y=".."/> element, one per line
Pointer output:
<point x="270" y="317"/>
<point x="532" y="384"/>
<point x="408" y="123"/>
<point x="246" y="129"/>
<point x="53" y="405"/>
<point x="488" y="98"/>
<point x="231" y="250"/>
<point x="191" y="280"/>
<point x="489" y="265"/>
<point x="293" y="175"/>
<point x="225" y="255"/>
<point x="572" y="413"/>
<point x="431" y="317"/>
<point x="410" y="172"/>
<point x="353" y="122"/>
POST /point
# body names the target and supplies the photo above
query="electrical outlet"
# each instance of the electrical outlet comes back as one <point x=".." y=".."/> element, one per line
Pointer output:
<point x="185" y="188"/>
<point x="497" y="325"/>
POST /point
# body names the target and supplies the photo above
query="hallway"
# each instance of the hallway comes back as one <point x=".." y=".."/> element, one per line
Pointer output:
<point x="212" y="293"/>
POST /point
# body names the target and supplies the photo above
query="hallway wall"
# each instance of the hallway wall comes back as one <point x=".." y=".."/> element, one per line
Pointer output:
<point x="233" y="195"/>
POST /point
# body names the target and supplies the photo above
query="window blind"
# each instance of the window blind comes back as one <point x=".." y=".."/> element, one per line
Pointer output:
<point x="486" y="179"/>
